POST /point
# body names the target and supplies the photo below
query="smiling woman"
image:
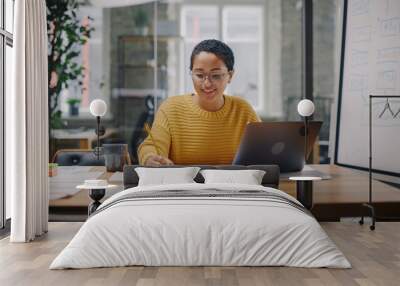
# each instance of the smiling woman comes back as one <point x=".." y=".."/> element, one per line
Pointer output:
<point x="204" y="127"/>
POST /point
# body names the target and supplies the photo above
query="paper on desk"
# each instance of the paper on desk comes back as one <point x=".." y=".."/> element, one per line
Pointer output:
<point x="64" y="184"/>
<point x="116" y="177"/>
<point x="307" y="171"/>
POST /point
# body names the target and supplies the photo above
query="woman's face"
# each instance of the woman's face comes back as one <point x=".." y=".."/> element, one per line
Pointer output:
<point x="210" y="77"/>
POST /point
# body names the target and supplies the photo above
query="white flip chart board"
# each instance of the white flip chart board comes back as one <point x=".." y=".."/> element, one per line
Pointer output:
<point x="370" y="64"/>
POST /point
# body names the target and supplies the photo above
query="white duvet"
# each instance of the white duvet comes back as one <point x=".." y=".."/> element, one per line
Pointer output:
<point x="200" y="231"/>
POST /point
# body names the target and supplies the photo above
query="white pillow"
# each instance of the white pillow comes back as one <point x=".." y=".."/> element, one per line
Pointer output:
<point x="248" y="177"/>
<point x="163" y="176"/>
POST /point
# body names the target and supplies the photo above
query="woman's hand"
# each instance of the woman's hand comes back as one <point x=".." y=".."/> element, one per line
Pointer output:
<point x="157" y="160"/>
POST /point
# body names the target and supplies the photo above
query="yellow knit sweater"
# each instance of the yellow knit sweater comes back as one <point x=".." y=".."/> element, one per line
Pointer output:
<point x="187" y="134"/>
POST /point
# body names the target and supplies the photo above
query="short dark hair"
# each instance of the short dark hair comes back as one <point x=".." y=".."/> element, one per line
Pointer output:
<point x="218" y="48"/>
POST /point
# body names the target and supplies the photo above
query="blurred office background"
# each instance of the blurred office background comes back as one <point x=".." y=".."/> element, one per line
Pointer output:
<point x="134" y="56"/>
<point x="138" y="55"/>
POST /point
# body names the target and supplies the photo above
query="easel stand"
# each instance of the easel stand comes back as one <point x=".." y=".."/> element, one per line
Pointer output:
<point x="369" y="204"/>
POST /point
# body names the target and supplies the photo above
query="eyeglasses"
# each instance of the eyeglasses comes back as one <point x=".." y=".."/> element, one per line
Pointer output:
<point x="213" y="78"/>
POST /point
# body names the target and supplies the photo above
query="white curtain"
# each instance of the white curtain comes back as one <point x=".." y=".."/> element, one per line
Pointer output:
<point x="27" y="124"/>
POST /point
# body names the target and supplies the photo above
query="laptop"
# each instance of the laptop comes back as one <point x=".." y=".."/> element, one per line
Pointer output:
<point x="278" y="143"/>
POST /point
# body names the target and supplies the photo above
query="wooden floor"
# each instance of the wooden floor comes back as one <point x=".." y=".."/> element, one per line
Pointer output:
<point x="374" y="255"/>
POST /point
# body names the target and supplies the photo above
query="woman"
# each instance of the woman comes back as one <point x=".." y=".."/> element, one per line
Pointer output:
<point x="204" y="127"/>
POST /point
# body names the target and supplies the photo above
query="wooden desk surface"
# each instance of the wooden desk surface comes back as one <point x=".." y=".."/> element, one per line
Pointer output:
<point x="88" y="134"/>
<point x="346" y="186"/>
<point x="82" y="199"/>
<point x="350" y="186"/>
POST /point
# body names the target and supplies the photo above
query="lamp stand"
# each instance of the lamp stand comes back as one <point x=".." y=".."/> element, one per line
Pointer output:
<point x="304" y="188"/>
<point x="98" y="137"/>
<point x="305" y="138"/>
<point x="100" y="131"/>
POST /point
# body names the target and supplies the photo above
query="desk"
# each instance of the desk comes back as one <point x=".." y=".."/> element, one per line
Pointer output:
<point x="80" y="198"/>
<point x="344" y="186"/>
<point x="85" y="138"/>
<point x="344" y="194"/>
<point x="340" y="196"/>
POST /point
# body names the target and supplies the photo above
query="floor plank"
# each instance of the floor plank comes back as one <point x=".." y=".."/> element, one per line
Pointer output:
<point x="375" y="257"/>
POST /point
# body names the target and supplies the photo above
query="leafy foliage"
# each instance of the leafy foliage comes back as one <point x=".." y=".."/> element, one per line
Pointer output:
<point x="66" y="34"/>
<point x="141" y="18"/>
<point x="73" y="101"/>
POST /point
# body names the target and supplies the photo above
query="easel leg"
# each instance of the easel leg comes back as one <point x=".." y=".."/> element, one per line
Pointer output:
<point x="373" y="217"/>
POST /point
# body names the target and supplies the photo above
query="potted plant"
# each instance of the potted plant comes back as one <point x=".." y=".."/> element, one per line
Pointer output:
<point x="67" y="33"/>
<point x="141" y="22"/>
<point x="73" y="106"/>
<point x="53" y="169"/>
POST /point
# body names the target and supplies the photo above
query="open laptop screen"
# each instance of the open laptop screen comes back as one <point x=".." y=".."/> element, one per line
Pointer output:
<point x="278" y="143"/>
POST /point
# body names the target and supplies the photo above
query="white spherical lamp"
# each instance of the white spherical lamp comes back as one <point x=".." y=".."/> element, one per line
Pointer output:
<point x="98" y="107"/>
<point x="305" y="108"/>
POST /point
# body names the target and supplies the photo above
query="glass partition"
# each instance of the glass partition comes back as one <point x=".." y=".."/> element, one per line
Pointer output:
<point x="326" y="67"/>
<point x="9" y="15"/>
<point x="6" y="42"/>
<point x="138" y="55"/>
<point x="2" y="137"/>
<point x="7" y="77"/>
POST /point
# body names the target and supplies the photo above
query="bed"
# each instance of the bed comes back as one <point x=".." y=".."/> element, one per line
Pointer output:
<point x="201" y="224"/>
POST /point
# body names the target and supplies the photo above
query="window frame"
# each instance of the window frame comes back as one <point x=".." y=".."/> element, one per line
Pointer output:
<point x="6" y="39"/>
<point x="260" y="41"/>
<point x="221" y="35"/>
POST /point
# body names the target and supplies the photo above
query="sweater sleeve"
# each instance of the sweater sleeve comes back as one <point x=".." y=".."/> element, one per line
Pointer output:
<point x="251" y="113"/>
<point x="253" y="117"/>
<point x="161" y="135"/>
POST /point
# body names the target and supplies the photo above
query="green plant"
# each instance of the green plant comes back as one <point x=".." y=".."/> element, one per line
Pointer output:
<point x="141" y="18"/>
<point x="66" y="34"/>
<point x="73" y="101"/>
